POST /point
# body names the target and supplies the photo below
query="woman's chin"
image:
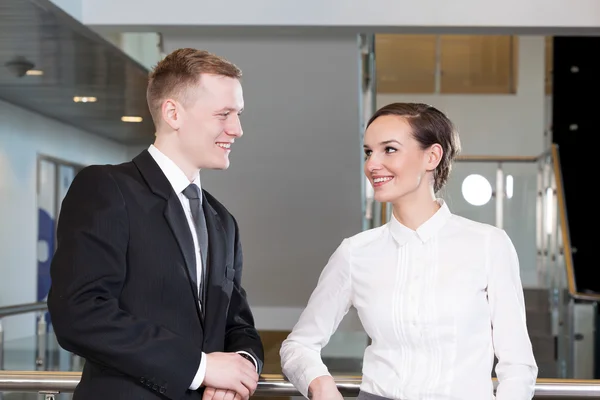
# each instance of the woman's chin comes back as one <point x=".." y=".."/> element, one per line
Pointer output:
<point x="384" y="197"/>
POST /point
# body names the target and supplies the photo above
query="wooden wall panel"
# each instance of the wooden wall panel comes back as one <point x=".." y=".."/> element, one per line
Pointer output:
<point x="473" y="64"/>
<point x="470" y="64"/>
<point x="405" y="63"/>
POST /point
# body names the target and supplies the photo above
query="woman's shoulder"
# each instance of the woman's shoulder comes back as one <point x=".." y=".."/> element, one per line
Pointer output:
<point x="477" y="232"/>
<point x="466" y="224"/>
<point x="367" y="238"/>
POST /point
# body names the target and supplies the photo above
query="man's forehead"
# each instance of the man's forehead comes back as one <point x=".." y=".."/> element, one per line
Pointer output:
<point x="211" y="83"/>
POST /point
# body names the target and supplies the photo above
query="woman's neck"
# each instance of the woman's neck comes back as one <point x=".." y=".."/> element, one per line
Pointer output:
<point x="413" y="212"/>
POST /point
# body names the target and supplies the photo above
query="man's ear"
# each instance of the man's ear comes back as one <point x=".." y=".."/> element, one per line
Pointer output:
<point x="170" y="111"/>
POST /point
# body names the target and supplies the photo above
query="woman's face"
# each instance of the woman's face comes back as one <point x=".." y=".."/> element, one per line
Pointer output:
<point x="396" y="165"/>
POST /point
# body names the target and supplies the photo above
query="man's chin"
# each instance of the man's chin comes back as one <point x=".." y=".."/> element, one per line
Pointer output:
<point x="221" y="166"/>
<point x="216" y="165"/>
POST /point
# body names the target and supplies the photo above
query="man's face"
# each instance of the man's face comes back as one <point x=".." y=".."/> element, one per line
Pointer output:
<point x="210" y="121"/>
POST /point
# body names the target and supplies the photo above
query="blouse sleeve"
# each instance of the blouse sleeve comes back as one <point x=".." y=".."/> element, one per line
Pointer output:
<point x="516" y="369"/>
<point x="330" y="301"/>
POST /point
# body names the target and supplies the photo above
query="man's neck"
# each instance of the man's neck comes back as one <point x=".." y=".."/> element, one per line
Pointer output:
<point x="165" y="147"/>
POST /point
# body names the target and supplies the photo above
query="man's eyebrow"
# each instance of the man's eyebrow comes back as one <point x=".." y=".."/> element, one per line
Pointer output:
<point x="230" y="109"/>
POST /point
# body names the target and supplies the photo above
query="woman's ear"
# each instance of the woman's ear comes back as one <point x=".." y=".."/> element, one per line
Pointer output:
<point x="433" y="156"/>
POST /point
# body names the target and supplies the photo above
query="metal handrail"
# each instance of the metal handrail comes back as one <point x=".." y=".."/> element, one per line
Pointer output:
<point x="274" y="385"/>
<point x="501" y="159"/>
<point x="22" y="309"/>
<point x="40" y="308"/>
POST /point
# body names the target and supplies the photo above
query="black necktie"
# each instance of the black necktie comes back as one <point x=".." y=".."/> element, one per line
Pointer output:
<point x="192" y="192"/>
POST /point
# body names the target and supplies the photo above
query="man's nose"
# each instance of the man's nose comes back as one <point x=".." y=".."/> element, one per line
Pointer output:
<point x="234" y="127"/>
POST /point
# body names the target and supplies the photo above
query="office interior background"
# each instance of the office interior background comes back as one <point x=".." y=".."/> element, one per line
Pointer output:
<point x="72" y="93"/>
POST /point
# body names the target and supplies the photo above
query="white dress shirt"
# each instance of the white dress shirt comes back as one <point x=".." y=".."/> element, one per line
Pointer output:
<point x="179" y="181"/>
<point x="437" y="303"/>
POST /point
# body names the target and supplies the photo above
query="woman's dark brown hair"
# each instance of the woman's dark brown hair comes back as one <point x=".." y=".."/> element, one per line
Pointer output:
<point x="429" y="126"/>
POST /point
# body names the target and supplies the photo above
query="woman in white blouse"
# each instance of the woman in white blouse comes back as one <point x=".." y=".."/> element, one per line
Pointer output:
<point x="438" y="294"/>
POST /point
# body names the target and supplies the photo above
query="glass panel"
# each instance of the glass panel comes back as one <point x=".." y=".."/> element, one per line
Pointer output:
<point x="472" y="198"/>
<point x="46" y="202"/>
<point x="478" y="64"/>
<point x="405" y="63"/>
<point x="520" y="218"/>
<point x="23" y="354"/>
<point x="555" y="255"/>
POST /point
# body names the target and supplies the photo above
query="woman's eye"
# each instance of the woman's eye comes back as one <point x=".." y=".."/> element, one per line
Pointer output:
<point x="390" y="150"/>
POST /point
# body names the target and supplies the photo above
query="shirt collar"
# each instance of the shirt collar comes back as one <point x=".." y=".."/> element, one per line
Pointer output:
<point x="174" y="174"/>
<point x="428" y="229"/>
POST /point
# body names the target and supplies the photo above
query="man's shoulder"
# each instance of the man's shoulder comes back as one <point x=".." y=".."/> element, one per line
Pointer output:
<point x="104" y="180"/>
<point x="104" y="171"/>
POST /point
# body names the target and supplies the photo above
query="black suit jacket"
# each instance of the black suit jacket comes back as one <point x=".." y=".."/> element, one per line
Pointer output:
<point x="122" y="296"/>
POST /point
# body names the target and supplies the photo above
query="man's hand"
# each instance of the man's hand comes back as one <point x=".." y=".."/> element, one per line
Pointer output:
<point x="229" y="372"/>
<point x="220" y="394"/>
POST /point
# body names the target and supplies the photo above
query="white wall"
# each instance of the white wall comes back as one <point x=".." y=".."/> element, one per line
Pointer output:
<point x="502" y="125"/>
<point x="23" y="136"/>
<point x="295" y="178"/>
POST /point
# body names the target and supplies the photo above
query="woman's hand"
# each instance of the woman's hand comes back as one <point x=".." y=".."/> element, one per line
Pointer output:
<point x="324" y="388"/>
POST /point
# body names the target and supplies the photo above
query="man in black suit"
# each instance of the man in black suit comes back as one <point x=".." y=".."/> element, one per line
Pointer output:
<point x="146" y="279"/>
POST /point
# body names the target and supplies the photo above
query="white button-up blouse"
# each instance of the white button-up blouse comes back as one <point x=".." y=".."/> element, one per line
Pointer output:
<point x="437" y="302"/>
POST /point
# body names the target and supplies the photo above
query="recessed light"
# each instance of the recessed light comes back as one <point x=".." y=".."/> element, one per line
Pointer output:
<point x="34" y="72"/>
<point x="84" y="99"/>
<point x="127" y="118"/>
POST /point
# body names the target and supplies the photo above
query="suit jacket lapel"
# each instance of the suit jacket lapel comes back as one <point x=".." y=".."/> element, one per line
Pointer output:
<point x="216" y="259"/>
<point x="174" y="214"/>
<point x="179" y="225"/>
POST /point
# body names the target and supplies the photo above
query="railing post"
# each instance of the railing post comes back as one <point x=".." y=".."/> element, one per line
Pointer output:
<point x="500" y="197"/>
<point x="1" y="346"/>
<point x="539" y="227"/>
<point x="41" y="341"/>
<point x="1" y="352"/>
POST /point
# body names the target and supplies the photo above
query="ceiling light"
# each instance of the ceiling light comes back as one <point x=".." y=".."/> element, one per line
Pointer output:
<point x="35" y="72"/>
<point x="126" y="118"/>
<point x="86" y="99"/>
<point x="476" y="190"/>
